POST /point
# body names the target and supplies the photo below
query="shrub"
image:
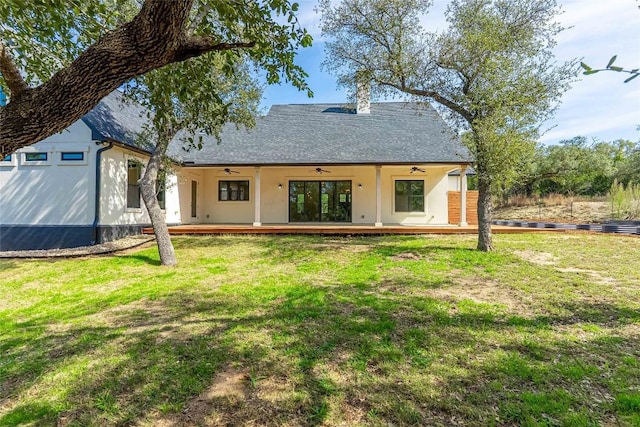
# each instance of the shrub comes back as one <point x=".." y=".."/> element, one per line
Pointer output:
<point x="625" y="201"/>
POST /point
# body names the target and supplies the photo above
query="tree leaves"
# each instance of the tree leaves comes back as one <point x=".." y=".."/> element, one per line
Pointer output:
<point x="610" y="67"/>
<point x="492" y="71"/>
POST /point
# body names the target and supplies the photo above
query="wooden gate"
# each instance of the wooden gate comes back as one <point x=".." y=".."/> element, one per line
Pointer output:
<point x="454" y="207"/>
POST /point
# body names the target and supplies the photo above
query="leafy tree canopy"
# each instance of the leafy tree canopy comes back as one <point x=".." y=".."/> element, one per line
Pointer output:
<point x="492" y="71"/>
<point x="580" y="167"/>
<point x="59" y="58"/>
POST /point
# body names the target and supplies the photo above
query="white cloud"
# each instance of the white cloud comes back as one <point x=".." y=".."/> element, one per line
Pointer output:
<point x="308" y="17"/>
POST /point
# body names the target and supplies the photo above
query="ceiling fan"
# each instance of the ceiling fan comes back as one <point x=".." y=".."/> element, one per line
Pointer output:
<point x="229" y="171"/>
<point x="320" y="171"/>
<point x="416" y="169"/>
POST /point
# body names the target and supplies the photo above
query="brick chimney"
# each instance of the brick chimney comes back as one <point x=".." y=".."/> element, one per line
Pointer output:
<point x="363" y="97"/>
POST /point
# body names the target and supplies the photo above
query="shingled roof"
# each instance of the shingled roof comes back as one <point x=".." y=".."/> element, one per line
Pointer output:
<point x="303" y="134"/>
<point x="310" y="134"/>
<point x="117" y="120"/>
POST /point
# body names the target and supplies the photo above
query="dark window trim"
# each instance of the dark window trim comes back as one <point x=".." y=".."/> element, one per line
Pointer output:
<point x="349" y="199"/>
<point x="409" y="196"/>
<point x="131" y="202"/>
<point x="38" y="154"/>
<point x="228" y="183"/>
<point x="72" y="156"/>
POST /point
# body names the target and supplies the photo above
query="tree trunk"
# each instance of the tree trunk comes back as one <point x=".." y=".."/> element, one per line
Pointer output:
<point x="154" y="38"/>
<point x="148" y="190"/>
<point x="485" y="239"/>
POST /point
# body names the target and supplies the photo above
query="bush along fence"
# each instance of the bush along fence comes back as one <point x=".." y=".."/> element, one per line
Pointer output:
<point x="621" y="227"/>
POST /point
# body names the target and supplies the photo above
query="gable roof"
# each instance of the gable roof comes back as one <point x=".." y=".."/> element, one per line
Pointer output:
<point x="117" y="119"/>
<point x="301" y="134"/>
<point x="311" y="134"/>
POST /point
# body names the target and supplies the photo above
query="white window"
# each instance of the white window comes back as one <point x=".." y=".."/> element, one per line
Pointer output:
<point x="134" y="173"/>
<point x="9" y="160"/>
<point x="35" y="158"/>
<point x="73" y="158"/>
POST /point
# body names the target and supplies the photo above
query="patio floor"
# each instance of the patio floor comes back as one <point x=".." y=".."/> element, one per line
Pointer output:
<point x="340" y="229"/>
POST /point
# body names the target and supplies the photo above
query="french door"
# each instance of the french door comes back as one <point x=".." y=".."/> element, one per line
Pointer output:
<point x="319" y="201"/>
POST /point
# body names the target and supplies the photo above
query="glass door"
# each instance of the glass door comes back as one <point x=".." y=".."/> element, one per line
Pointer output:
<point x="320" y="201"/>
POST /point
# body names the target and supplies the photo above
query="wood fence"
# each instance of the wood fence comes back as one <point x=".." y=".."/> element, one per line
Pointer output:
<point x="454" y="207"/>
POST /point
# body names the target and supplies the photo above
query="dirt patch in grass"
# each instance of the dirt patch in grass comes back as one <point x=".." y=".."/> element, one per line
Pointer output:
<point x="355" y="248"/>
<point x="539" y="258"/>
<point x="150" y="316"/>
<point x="485" y="291"/>
<point x="405" y="256"/>
<point x="597" y="277"/>
<point x="229" y="388"/>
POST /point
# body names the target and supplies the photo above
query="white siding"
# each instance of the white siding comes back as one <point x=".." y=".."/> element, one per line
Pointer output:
<point x="52" y="192"/>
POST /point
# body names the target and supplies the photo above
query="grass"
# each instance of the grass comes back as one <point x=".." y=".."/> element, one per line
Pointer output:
<point x="310" y="330"/>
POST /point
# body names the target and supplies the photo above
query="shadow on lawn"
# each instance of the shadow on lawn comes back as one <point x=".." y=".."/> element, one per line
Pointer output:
<point x="7" y="264"/>
<point x="142" y="258"/>
<point x="309" y="355"/>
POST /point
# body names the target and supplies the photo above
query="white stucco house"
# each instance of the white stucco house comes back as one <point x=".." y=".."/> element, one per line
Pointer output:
<point x="377" y="164"/>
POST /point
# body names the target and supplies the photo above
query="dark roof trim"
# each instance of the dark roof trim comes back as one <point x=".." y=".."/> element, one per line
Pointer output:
<point x="95" y="134"/>
<point x="128" y="147"/>
<point x="217" y="165"/>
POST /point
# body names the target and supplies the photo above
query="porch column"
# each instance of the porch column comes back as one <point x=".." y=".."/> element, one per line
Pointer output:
<point x="378" y="196"/>
<point x="256" y="199"/>
<point x="463" y="196"/>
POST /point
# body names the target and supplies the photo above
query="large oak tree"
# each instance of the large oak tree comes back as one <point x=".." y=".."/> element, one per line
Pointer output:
<point x="492" y="72"/>
<point x="59" y="58"/>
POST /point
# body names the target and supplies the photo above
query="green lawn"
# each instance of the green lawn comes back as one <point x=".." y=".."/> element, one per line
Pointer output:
<point x="290" y="331"/>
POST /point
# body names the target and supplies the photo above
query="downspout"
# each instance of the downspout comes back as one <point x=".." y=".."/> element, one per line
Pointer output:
<point x="96" y="219"/>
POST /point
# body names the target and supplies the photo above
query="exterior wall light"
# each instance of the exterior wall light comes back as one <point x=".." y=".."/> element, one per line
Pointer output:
<point x="359" y="186"/>
<point x="279" y="187"/>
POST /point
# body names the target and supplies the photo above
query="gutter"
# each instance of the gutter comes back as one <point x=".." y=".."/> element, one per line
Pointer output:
<point x="96" y="218"/>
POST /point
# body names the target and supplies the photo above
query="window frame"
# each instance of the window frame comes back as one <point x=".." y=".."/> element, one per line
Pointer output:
<point x="409" y="197"/>
<point x="138" y="165"/>
<point x="72" y="153"/>
<point x="228" y="182"/>
<point x="26" y="161"/>
<point x="10" y="162"/>
<point x="36" y="153"/>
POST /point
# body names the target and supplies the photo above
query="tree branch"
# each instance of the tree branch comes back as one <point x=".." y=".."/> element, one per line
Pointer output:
<point x="196" y="46"/>
<point x="433" y="95"/>
<point x="151" y="40"/>
<point x="10" y="72"/>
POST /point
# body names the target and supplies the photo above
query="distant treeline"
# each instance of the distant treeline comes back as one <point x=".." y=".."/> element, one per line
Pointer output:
<point x="579" y="167"/>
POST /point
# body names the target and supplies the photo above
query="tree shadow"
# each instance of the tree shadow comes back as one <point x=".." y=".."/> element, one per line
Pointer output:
<point x="142" y="258"/>
<point x="320" y="352"/>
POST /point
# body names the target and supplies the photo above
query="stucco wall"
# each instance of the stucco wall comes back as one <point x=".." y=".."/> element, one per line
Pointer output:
<point x="113" y="190"/>
<point x="113" y="193"/>
<point x="435" y="188"/>
<point x="274" y="201"/>
<point x="184" y="178"/>
<point x="172" y="199"/>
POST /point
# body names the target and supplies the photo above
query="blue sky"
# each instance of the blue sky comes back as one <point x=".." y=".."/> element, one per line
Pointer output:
<point x="600" y="106"/>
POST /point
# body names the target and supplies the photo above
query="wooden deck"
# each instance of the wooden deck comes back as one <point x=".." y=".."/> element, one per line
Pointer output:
<point x="340" y="229"/>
